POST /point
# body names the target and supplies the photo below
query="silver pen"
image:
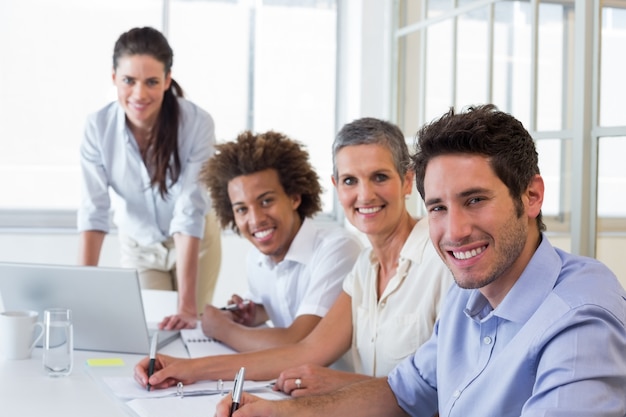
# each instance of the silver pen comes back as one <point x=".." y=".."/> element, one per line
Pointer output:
<point x="237" y="390"/>
<point x="234" y="306"/>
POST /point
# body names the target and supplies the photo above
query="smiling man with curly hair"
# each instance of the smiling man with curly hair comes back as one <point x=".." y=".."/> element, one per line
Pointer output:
<point x="264" y="188"/>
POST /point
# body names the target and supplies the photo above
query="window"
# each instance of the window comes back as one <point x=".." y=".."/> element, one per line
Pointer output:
<point x="255" y="65"/>
<point x="58" y="72"/>
<point x="524" y="56"/>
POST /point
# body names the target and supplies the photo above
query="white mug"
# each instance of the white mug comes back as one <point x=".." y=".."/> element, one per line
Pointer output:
<point x="17" y="330"/>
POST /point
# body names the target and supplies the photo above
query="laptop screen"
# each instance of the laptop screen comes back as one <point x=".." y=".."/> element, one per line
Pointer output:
<point x="106" y="302"/>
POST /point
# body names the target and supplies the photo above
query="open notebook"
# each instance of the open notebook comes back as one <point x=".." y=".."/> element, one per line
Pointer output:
<point x="199" y="345"/>
<point x="106" y="303"/>
<point x="188" y="406"/>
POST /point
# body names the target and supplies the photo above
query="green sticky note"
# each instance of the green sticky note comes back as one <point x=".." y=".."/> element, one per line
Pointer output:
<point x="105" y="362"/>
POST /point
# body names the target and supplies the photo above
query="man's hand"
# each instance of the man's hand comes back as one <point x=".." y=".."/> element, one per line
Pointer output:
<point x="212" y="320"/>
<point x="251" y="406"/>
<point x="245" y="313"/>
<point x="168" y="371"/>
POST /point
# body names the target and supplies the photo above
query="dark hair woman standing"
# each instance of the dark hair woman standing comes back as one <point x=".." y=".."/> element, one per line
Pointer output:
<point x="147" y="148"/>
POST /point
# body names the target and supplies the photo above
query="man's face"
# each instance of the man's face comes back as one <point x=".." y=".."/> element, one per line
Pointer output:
<point x="264" y="213"/>
<point x="474" y="225"/>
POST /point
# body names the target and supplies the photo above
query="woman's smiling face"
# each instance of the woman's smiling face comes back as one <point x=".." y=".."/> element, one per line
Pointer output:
<point x="141" y="83"/>
<point x="370" y="189"/>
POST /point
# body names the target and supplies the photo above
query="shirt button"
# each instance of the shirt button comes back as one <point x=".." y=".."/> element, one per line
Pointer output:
<point x="456" y="394"/>
<point x="487" y="340"/>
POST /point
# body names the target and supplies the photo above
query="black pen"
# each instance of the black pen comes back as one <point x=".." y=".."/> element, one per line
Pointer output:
<point x="235" y="306"/>
<point x="153" y="349"/>
<point x="237" y="390"/>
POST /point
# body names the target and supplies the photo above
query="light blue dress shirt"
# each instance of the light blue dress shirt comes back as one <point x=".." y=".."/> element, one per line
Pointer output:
<point x="555" y="346"/>
<point x="110" y="158"/>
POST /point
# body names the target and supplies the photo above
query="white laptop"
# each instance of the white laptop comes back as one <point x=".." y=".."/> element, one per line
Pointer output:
<point x="106" y="303"/>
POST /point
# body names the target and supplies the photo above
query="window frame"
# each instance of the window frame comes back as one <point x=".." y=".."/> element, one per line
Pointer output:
<point x="582" y="222"/>
<point x="37" y="221"/>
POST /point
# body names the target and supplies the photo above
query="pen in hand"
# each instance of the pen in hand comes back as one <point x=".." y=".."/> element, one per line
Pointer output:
<point x="153" y="349"/>
<point x="237" y="390"/>
<point x="234" y="306"/>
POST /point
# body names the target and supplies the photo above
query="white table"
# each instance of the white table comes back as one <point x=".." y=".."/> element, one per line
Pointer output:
<point x="26" y="390"/>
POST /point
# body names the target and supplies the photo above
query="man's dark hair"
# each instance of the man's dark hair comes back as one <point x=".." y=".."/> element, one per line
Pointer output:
<point x="482" y="130"/>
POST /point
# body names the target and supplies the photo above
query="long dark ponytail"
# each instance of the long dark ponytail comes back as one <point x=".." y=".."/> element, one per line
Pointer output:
<point x="161" y="154"/>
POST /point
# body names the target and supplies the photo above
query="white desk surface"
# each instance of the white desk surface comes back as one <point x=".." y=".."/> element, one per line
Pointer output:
<point x="25" y="389"/>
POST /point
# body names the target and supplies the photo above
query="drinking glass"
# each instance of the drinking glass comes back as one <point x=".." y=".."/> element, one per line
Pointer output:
<point x="58" y="347"/>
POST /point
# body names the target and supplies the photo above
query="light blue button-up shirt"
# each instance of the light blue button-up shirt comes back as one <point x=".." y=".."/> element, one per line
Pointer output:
<point x="555" y="346"/>
<point x="110" y="158"/>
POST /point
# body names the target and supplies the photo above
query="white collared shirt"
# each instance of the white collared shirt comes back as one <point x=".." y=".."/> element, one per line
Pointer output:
<point x="386" y="331"/>
<point x="309" y="279"/>
<point x="110" y="159"/>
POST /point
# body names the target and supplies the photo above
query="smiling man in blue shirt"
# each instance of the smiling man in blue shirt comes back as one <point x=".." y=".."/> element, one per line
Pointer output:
<point x="529" y="330"/>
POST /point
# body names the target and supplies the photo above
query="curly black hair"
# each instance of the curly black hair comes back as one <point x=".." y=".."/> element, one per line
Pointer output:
<point x="251" y="153"/>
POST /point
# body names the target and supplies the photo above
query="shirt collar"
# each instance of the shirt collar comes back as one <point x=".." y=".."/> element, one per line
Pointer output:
<point x="123" y="129"/>
<point x="301" y="248"/>
<point x="533" y="286"/>
<point x="412" y="253"/>
<point x="413" y="248"/>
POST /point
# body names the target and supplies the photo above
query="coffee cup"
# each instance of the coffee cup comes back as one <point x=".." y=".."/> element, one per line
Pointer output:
<point x="17" y="333"/>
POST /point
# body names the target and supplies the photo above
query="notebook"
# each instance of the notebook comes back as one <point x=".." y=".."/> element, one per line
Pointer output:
<point x="189" y="406"/>
<point x="126" y="388"/>
<point x="199" y="345"/>
<point x="106" y="303"/>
